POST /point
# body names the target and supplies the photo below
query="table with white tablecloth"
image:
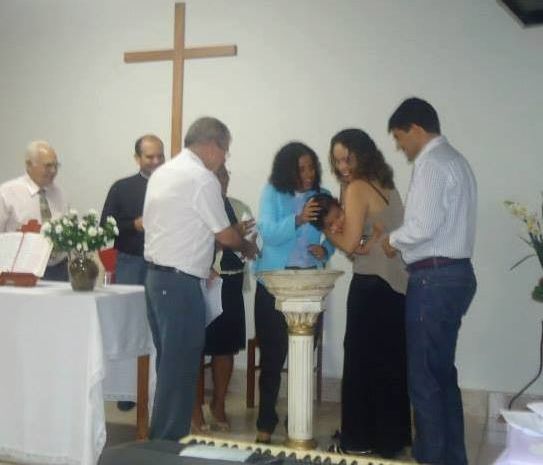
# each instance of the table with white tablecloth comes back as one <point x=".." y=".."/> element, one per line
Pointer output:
<point x="524" y="436"/>
<point x="54" y="345"/>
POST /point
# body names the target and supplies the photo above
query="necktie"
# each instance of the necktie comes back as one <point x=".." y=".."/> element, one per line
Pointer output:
<point x="45" y="211"/>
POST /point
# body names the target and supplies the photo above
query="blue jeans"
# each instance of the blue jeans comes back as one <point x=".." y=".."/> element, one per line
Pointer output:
<point x="436" y="301"/>
<point x="130" y="269"/>
<point x="176" y="314"/>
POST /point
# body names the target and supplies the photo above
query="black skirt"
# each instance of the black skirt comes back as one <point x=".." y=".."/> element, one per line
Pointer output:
<point x="375" y="404"/>
<point x="226" y="334"/>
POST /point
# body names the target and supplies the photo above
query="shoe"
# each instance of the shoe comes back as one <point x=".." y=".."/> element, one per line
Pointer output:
<point x="263" y="437"/>
<point x="125" y="405"/>
<point x="391" y="453"/>
<point x="337" y="449"/>
<point x="222" y="426"/>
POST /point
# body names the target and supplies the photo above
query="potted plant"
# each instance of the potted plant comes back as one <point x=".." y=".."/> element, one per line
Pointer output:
<point x="535" y="239"/>
<point x="80" y="237"/>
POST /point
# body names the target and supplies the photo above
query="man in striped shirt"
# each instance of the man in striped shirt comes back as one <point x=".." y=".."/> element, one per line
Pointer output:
<point x="436" y="242"/>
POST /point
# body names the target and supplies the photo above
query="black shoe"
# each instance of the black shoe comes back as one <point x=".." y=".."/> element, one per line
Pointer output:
<point x="390" y="453"/>
<point x="337" y="449"/>
<point x="125" y="405"/>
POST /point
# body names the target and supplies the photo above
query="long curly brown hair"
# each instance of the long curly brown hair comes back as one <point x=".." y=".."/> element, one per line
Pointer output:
<point x="370" y="163"/>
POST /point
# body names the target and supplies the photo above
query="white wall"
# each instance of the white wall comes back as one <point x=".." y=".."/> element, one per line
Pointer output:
<point x="304" y="70"/>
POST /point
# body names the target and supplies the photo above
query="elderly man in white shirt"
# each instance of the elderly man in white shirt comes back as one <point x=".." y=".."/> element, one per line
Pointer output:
<point x="183" y="216"/>
<point x="35" y="196"/>
<point x="436" y="242"/>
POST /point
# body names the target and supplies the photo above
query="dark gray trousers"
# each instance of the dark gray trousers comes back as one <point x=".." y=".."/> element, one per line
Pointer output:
<point x="176" y="314"/>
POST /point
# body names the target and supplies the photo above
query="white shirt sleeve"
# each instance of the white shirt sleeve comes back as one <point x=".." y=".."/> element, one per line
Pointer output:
<point x="209" y="205"/>
<point x="4" y="214"/>
<point x="425" y="211"/>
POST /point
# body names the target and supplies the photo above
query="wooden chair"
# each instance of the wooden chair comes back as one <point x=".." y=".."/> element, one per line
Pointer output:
<point x="252" y="367"/>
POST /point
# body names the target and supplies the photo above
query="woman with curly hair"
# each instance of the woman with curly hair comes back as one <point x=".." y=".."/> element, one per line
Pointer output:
<point x="375" y="414"/>
<point x="289" y="241"/>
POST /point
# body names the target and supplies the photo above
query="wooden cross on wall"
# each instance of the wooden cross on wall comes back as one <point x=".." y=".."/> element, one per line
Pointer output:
<point x="178" y="55"/>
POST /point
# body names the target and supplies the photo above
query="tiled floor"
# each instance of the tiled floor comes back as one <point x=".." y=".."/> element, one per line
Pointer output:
<point x="483" y="444"/>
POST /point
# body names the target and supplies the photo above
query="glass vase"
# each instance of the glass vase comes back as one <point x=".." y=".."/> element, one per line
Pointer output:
<point x="83" y="272"/>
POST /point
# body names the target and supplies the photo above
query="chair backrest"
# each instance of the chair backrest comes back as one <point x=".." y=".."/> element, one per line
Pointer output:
<point x="108" y="257"/>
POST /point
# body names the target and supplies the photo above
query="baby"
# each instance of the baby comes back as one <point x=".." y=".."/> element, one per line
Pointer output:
<point x="331" y="217"/>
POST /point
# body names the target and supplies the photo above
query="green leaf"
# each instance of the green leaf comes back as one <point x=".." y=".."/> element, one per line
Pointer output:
<point x="522" y="261"/>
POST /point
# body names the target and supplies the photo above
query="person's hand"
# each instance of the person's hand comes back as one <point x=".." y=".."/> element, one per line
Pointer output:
<point x="245" y="227"/>
<point x="138" y="224"/>
<point x="318" y="251"/>
<point x="249" y="249"/>
<point x="309" y="213"/>
<point x="366" y="245"/>
<point x="362" y="249"/>
<point x="212" y="275"/>
<point x="390" y="251"/>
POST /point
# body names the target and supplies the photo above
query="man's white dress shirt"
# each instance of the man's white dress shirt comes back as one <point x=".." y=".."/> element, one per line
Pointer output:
<point x="441" y="207"/>
<point x="183" y="210"/>
<point x="20" y="202"/>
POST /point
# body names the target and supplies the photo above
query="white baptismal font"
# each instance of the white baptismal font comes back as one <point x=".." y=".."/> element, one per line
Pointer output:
<point x="300" y="295"/>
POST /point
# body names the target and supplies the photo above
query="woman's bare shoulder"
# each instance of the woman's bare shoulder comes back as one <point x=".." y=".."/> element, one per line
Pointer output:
<point x="358" y="186"/>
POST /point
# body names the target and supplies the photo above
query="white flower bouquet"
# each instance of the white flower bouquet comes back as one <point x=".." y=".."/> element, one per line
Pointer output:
<point x="76" y="235"/>
<point x="535" y="239"/>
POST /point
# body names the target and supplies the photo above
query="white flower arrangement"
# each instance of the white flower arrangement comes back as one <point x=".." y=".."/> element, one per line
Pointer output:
<point x="70" y="233"/>
<point x="535" y="238"/>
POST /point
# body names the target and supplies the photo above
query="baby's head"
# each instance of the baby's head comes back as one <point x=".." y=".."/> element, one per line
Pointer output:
<point x="330" y="216"/>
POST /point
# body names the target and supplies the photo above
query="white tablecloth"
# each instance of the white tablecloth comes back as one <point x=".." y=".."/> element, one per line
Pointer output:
<point x="53" y="346"/>
<point x="522" y="448"/>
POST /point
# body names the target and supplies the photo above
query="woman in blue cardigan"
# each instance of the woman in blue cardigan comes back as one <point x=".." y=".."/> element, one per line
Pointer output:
<point x="289" y="241"/>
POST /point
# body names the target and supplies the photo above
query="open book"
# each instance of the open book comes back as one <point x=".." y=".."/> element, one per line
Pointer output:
<point x="24" y="252"/>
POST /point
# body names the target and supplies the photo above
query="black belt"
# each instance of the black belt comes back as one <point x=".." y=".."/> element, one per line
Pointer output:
<point x="435" y="262"/>
<point x="168" y="269"/>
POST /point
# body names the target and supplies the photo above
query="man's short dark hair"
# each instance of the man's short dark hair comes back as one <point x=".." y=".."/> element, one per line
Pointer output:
<point x="325" y="202"/>
<point x="415" y="111"/>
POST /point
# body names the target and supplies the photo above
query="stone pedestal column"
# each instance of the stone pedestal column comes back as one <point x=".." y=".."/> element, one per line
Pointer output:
<point x="301" y="316"/>
<point x="300" y="294"/>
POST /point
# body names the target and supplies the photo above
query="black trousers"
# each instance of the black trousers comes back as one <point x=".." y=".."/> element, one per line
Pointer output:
<point x="375" y="410"/>
<point x="58" y="272"/>
<point x="272" y="333"/>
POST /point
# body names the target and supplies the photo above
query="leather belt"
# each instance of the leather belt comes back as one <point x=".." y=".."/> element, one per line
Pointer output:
<point x="435" y="262"/>
<point x="168" y="269"/>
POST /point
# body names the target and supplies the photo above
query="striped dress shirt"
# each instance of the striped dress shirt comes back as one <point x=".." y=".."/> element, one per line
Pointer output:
<point x="441" y="206"/>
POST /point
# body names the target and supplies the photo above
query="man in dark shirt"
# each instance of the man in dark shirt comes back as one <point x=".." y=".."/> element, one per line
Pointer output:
<point x="125" y="203"/>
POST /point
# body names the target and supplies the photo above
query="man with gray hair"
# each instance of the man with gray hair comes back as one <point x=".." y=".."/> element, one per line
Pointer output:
<point x="35" y="196"/>
<point x="183" y="216"/>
